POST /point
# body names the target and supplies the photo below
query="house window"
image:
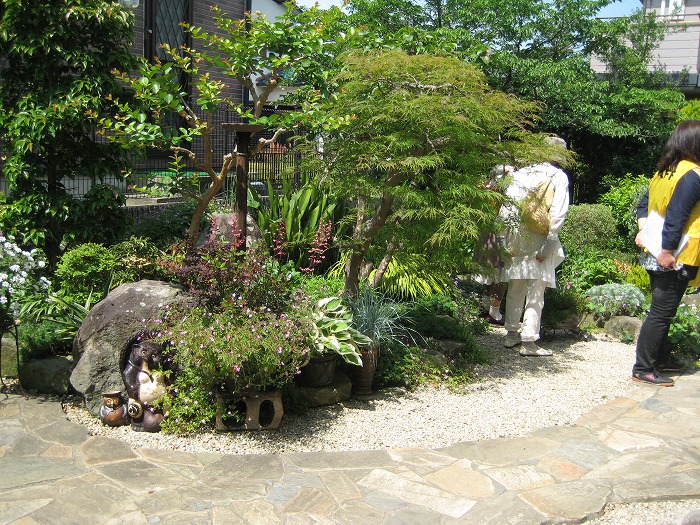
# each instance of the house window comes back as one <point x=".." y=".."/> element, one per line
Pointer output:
<point x="163" y="19"/>
<point x="675" y="9"/>
<point x="162" y="26"/>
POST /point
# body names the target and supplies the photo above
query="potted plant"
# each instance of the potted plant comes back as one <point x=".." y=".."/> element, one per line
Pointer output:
<point x="333" y="336"/>
<point x="243" y="336"/>
<point x="226" y="357"/>
<point x="382" y="321"/>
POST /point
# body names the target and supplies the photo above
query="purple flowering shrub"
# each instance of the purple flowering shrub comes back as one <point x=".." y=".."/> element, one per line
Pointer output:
<point x="245" y="330"/>
<point x="217" y="272"/>
<point x="231" y="350"/>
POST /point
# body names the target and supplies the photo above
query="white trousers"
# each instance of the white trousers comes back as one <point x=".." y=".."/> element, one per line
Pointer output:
<point x="527" y="295"/>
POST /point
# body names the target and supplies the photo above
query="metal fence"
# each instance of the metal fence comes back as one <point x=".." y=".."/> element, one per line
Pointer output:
<point x="274" y="163"/>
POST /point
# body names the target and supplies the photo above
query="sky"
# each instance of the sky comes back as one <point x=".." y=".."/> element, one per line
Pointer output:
<point x="620" y="8"/>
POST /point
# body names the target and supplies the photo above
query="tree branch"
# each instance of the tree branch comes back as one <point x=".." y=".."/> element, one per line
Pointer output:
<point x="263" y="142"/>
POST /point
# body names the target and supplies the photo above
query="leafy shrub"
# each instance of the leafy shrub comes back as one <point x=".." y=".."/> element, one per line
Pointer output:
<point x="607" y="300"/>
<point x="407" y="277"/>
<point x="412" y="367"/>
<point x="691" y="110"/>
<point x="191" y="405"/>
<point x="590" y="227"/>
<point x="85" y="271"/>
<point x="437" y="316"/>
<point x="317" y="287"/>
<point x="684" y="334"/>
<point x="333" y="331"/>
<point x="41" y="339"/>
<point x="216" y="271"/>
<point x="622" y="198"/>
<point x="639" y="277"/>
<point x="21" y="280"/>
<point x="411" y="276"/>
<point x="233" y="350"/>
<point x="582" y="270"/>
<point x="101" y="216"/>
<point x="137" y="258"/>
<point x="560" y="304"/>
<point x="164" y="225"/>
<point x="297" y="222"/>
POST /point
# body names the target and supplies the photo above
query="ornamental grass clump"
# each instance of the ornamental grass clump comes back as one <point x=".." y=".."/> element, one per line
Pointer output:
<point x="607" y="300"/>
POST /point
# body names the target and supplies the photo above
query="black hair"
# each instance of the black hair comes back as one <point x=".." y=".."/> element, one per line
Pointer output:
<point x="683" y="144"/>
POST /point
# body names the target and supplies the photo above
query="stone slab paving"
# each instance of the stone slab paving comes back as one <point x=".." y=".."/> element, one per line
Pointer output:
<point x="640" y="447"/>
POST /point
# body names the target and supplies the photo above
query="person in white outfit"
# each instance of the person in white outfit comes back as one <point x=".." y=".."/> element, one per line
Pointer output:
<point x="535" y="256"/>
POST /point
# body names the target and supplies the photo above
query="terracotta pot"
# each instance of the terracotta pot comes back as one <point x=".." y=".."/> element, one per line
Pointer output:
<point x="363" y="376"/>
<point x="318" y="372"/>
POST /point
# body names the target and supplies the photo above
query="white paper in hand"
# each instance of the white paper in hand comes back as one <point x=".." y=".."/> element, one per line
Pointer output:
<point x="650" y="235"/>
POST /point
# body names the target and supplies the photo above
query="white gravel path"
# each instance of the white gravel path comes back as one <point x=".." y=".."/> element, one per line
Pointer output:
<point x="514" y="396"/>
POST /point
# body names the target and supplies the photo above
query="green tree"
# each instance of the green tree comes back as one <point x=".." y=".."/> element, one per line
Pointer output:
<point x="425" y="133"/>
<point x="542" y="50"/>
<point x="56" y="60"/>
<point x="292" y="46"/>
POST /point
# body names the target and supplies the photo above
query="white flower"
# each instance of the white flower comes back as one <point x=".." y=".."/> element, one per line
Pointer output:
<point x="14" y="268"/>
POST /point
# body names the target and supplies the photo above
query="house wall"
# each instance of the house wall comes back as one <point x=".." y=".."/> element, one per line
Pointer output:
<point x="270" y="8"/>
<point x="679" y="53"/>
<point x="202" y="16"/>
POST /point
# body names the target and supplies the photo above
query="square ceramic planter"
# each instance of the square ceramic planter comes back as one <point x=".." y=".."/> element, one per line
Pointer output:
<point x="249" y="411"/>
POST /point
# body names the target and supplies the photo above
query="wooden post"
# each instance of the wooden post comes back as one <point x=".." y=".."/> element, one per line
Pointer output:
<point x="243" y="133"/>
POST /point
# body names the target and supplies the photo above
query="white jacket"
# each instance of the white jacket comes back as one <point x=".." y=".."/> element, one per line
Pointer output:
<point x="524" y="244"/>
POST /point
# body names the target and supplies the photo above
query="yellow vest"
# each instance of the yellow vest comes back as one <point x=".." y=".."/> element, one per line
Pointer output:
<point x="660" y="192"/>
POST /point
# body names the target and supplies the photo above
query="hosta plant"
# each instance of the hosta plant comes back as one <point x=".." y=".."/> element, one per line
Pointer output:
<point x="334" y="333"/>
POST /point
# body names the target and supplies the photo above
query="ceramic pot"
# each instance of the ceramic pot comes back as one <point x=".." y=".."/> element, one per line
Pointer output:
<point x="363" y="376"/>
<point x="318" y="372"/>
<point x="255" y="411"/>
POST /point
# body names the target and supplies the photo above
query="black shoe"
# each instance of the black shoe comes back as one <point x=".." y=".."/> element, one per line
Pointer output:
<point x="653" y="378"/>
<point x="673" y="365"/>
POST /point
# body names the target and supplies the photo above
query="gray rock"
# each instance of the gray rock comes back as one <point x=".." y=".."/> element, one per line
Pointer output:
<point x="222" y="227"/>
<point x="107" y="329"/>
<point x="337" y="392"/>
<point x="692" y="518"/>
<point x="691" y="299"/>
<point x="624" y="327"/>
<point x="450" y="348"/>
<point x="50" y="375"/>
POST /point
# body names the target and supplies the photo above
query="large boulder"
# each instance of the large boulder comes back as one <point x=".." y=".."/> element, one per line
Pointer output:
<point x="624" y="327"/>
<point x="108" y="328"/>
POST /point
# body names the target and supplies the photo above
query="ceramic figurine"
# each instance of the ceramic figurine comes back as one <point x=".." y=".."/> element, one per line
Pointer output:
<point x="113" y="411"/>
<point x="144" y="386"/>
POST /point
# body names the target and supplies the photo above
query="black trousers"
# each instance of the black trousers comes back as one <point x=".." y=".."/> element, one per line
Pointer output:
<point x="667" y="289"/>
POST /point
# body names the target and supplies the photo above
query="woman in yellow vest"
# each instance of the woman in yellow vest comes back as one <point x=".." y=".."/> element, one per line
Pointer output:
<point x="674" y="194"/>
